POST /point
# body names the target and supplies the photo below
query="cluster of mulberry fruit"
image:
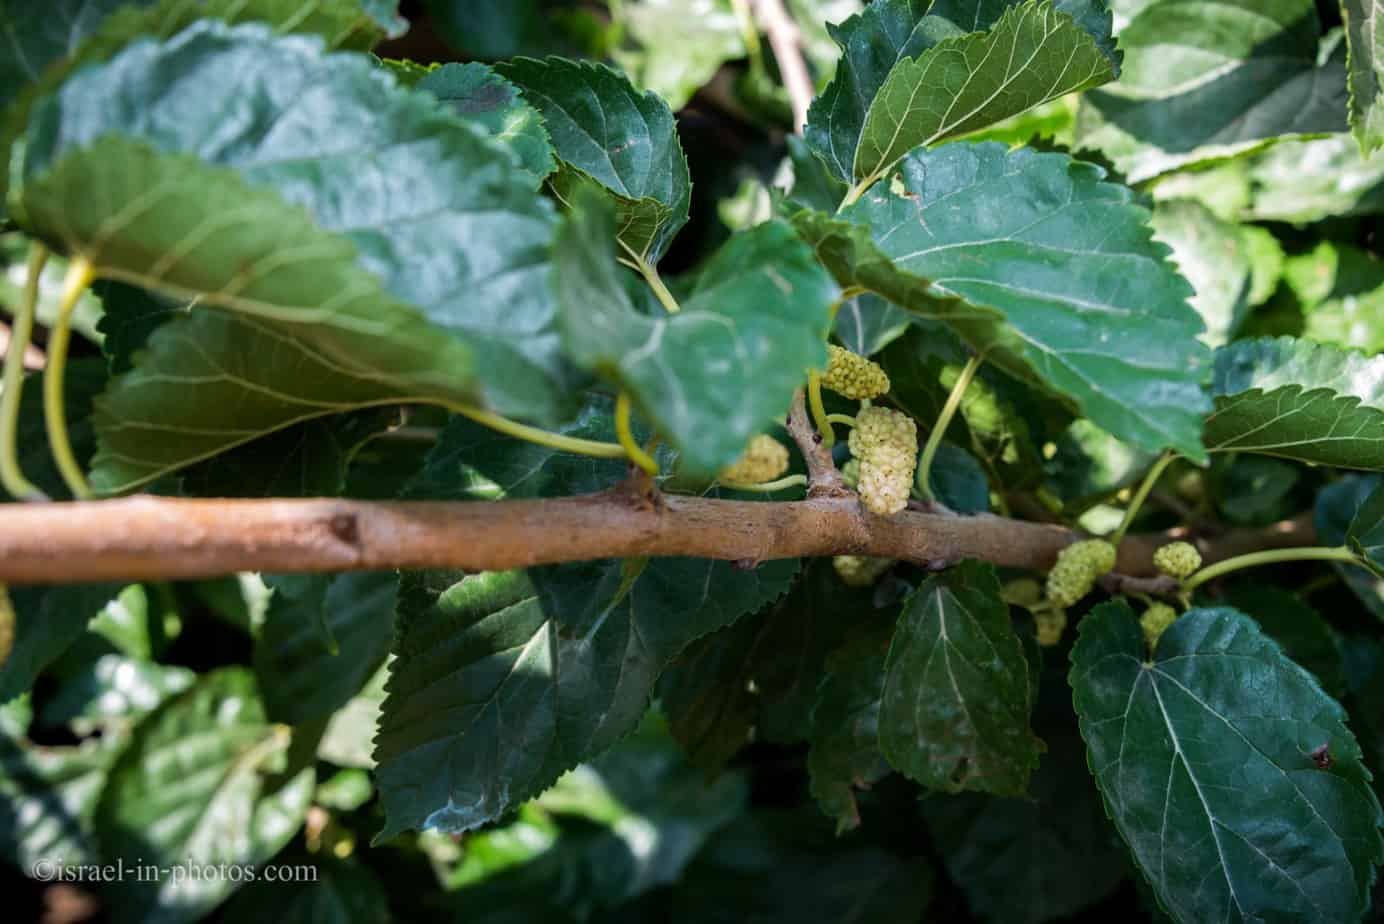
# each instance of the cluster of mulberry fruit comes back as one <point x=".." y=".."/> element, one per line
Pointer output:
<point x="764" y="459"/>
<point x="854" y="376"/>
<point x="1078" y="567"/>
<point x="886" y="443"/>
<point x="860" y="570"/>
<point x="1177" y="559"/>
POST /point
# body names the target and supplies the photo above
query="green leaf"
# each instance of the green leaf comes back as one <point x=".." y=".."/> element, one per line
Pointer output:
<point x="1299" y="630"/>
<point x="722" y="369"/>
<point x="340" y="291"/>
<point x="309" y="459"/>
<point x="1333" y="514"/>
<point x="129" y="317"/>
<point x="1219" y="798"/>
<point x="301" y="679"/>
<point x="54" y="40"/>
<point x="814" y="186"/>
<point x="134" y="622"/>
<point x="542" y="670"/>
<point x="674" y="48"/>
<point x="1341" y="289"/>
<point x="1033" y="54"/>
<point x="484" y="98"/>
<point x="958" y="482"/>
<point x="1366" y="532"/>
<point x="47" y="799"/>
<point x="1035" y="859"/>
<point x="47" y="621"/>
<point x="1298" y="400"/>
<point x="1213" y="256"/>
<point x="867" y="324"/>
<point x="607" y="134"/>
<point x="762" y="672"/>
<point x="1305" y="181"/>
<point x="113" y="690"/>
<point x="1206" y="79"/>
<point x="658" y="811"/>
<point x="872" y="42"/>
<point x="339" y="892"/>
<point x="493" y="30"/>
<point x="350" y="733"/>
<point x="781" y="866"/>
<point x="1062" y="282"/>
<point x="955" y="713"/>
<point x="1254" y="490"/>
<point x="35" y="36"/>
<point x="844" y="755"/>
<point x="1365" y="77"/>
<point x="896" y="62"/>
<point x="167" y="803"/>
<point x="708" y="695"/>
<point x="504" y="680"/>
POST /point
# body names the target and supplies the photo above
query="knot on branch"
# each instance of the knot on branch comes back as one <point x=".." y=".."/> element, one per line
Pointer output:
<point x="639" y="490"/>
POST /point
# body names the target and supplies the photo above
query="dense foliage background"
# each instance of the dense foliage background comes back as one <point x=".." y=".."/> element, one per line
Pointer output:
<point x="238" y="720"/>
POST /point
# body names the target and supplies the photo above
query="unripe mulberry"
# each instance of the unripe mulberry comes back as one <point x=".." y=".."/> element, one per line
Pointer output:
<point x="1078" y="566"/>
<point x="854" y="376"/>
<point x="1177" y="559"/>
<point x="860" y="570"/>
<point x="886" y="443"/>
<point x="1155" y="621"/>
<point x="1049" y="626"/>
<point x="764" y="459"/>
<point x="1098" y="554"/>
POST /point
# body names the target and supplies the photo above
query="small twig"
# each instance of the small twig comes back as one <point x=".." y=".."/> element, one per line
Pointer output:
<point x="786" y="42"/>
<point x="1160" y="586"/>
<point x="822" y="477"/>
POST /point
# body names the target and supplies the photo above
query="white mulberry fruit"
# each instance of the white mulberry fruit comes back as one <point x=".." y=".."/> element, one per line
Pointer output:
<point x="1177" y="559"/>
<point x="764" y="459"/>
<point x="1077" y="568"/>
<point x="854" y="376"/>
<point x="1155" y="621"/>
<point x="886" y="443"/>
<point x="860" y="570"/>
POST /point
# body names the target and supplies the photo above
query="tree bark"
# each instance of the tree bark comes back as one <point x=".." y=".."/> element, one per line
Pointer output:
<point x="157" y="538"/>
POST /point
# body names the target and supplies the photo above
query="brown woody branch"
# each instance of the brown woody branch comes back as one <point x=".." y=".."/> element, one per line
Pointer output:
<point x="156" y="538"/>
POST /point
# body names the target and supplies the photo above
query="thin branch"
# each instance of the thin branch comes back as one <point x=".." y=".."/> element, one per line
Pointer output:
<point x="786" y="41"/>
<point x="822" y="477"/>
<point x="158" y="538"/>
<point x="1157" y="586"/>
